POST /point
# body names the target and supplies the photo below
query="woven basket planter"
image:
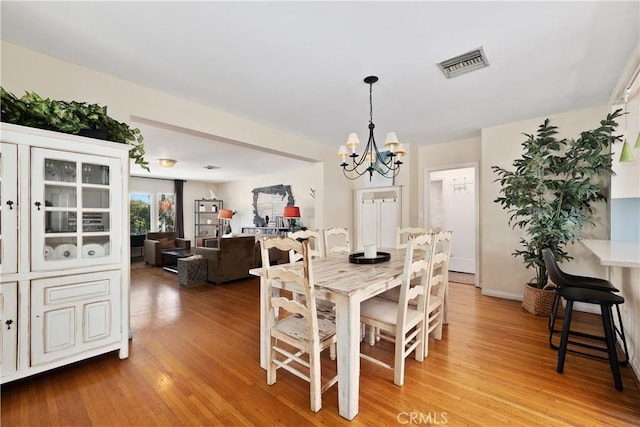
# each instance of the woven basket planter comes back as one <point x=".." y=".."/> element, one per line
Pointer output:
<point x="540" y="301"/>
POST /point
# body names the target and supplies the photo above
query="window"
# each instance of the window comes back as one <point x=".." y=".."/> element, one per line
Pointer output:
<point x="140" y="213"/>
<point x="166" y="211"/>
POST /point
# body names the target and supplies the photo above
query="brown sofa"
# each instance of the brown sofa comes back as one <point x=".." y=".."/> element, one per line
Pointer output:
<point x="156" y="242"/>
<point x="228" y="258"/>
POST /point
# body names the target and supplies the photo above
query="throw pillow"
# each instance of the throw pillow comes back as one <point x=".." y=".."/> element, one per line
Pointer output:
<point x="167" y="244"/>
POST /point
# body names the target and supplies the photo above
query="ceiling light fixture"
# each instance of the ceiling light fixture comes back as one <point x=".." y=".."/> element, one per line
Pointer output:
<point x="167" y="163"/>
<point x="386" y="163"/>
<point x="625" y="153"/>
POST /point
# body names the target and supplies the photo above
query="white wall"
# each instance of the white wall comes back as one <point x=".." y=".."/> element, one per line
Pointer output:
<point x="502" y="274"/>
<point x="21" y="70"/>
<point x="238" y="196"/>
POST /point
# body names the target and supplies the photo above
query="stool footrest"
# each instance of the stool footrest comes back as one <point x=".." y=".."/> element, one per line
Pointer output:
<point x="622" y="362"/>
<point x="591" y="355"/>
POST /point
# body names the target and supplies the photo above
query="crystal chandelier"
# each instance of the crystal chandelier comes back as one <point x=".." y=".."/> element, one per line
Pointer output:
<point x="386" y="163"/>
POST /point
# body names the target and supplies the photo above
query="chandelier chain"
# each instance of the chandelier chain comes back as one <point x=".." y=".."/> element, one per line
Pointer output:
<point x="370" y="102"/>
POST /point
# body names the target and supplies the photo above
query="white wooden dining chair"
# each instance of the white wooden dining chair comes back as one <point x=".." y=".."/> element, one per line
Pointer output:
<point x="316" y="246"/>
<point x="316" y="250"/>
<point x="401" y="322"/>
<point x="336" y="241"/>
<point x="438" y="287"/>
<point x="404" y="233"/>
<point x="298" y="333"/>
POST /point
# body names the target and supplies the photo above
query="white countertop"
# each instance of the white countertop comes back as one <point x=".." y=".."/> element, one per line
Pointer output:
<point x="615" y="253"/>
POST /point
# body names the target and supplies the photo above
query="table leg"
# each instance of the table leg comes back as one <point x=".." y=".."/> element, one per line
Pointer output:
<point x="348" y="349"/>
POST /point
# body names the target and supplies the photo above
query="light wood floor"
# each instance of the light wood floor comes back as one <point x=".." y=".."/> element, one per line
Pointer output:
<point x="194" y="361"/>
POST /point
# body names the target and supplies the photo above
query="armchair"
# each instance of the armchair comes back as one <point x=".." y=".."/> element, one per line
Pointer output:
<point x="156" y="242"/>
<point x="228" y="258"/>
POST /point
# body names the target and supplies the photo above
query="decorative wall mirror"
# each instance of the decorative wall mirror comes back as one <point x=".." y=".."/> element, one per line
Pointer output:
<point x="269" y="203"/>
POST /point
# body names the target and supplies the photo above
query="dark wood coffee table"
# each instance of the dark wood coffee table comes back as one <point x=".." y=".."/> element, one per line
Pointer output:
<point x="170" y="258"/>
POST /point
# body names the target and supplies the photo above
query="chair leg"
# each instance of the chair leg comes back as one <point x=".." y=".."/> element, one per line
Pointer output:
<point x="420" y="349"/>
<point x="426" y="342"/>
<point x="271" y="367"/>
<point x="562" y="352"/>
<point x="552" y="320"/>
<point x="554" y="307"/>
<point x="440" y="319"/>
<point x="609" y="334"/>
<point x="315" y="379"/>
<point x="622" y="337"/>
<point x="371" y="335"/>
<point x="398" y="364"/>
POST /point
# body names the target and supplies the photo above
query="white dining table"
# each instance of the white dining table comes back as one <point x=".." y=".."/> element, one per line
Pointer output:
<point x="347" y="285"/>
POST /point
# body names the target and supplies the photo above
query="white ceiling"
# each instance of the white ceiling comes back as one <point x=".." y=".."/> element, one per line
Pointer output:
<point x="299" y="66"/>
<point x="194" y="151"/>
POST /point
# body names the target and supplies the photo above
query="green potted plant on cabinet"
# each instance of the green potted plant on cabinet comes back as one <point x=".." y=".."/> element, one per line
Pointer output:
<point x="79" y="118"/>
<point x="550" y="196"/>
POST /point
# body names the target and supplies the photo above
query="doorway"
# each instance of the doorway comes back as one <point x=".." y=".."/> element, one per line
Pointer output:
<point x="451" y="203"/>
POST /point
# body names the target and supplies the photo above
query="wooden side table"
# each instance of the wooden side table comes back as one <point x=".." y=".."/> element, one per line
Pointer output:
<point x="192" y="271"/>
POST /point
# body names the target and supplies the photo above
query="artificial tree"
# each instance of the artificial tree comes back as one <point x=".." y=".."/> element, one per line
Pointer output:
<point x="552" y="189"/>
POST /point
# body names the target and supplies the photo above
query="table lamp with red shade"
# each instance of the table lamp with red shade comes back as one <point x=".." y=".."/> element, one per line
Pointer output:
<point x="291" y="214"/>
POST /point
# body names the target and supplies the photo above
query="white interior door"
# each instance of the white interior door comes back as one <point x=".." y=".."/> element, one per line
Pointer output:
<point x="452" y="206"/>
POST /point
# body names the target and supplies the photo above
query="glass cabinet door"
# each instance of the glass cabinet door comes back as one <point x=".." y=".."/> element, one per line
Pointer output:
<point x="8" y="208"/>
<point x="74" y="198"/>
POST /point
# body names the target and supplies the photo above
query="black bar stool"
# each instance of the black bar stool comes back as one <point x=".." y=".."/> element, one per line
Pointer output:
<point x="566" y="280"/>
<point x="605" y="300"/>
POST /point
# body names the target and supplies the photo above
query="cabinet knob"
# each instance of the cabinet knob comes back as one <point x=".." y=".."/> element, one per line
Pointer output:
<point x="37" y="204"/>
<point x="10" y="203"/>
<point x="8" y="323"/>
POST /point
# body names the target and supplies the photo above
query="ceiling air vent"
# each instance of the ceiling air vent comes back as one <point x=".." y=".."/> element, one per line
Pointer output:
<point x="464" y="63"/>
<point x="211" y="167"/>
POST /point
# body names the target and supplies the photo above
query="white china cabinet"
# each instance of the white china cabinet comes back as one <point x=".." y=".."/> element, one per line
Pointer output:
<point x="64" y="268"/>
